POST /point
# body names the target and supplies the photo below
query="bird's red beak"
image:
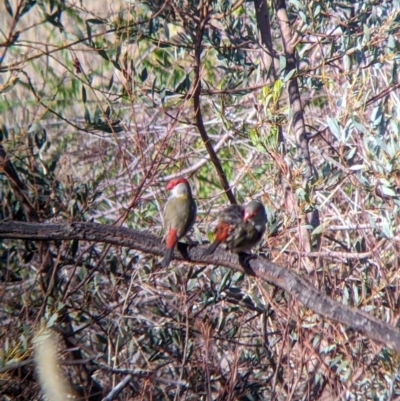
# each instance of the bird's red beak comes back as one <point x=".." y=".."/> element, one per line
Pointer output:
<point x="250" y="215"/>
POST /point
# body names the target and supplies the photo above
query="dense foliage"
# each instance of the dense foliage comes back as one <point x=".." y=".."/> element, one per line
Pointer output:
<point x="98" y="110"/>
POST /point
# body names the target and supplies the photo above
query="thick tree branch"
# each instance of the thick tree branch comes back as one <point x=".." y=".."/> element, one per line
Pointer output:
<point x="289" y="40"/>
<point x="284" y="278"/>
<point x="289" y="45"/>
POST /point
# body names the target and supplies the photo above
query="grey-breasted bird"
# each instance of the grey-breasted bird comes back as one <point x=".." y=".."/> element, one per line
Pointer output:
<point x="239" y="228"/>
<point x="228" y="221"/>
<point x="251" y="230"/>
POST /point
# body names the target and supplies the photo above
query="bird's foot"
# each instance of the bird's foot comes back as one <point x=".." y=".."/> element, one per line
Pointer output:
<point x="183" y="249"/>
<point x="244" y="258"/>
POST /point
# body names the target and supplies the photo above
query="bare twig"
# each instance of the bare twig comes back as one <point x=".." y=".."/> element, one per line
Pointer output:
<point x="118" y="388"/>
<point x="197" y="109"/>
<point x="18" y="187"/>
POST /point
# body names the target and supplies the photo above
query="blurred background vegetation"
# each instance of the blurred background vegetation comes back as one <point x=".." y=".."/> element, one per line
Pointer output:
<point x="97" y="111"/>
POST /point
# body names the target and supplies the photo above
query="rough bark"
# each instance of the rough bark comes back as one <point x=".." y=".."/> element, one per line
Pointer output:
<point x="295" y="285"/>
<point x="289" y="40"/>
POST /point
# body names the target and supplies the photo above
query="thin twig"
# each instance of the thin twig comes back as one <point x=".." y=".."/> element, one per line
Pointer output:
<point x="197" y="109"/>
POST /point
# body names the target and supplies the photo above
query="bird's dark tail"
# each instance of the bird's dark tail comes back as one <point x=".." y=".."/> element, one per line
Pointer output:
<point x="211" y="249"/>
<point x="167" y="257"/>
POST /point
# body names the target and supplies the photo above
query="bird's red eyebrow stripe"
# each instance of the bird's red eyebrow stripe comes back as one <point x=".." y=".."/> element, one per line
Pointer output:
<point x="249" y="215"/>
<point x="175" y="182"/>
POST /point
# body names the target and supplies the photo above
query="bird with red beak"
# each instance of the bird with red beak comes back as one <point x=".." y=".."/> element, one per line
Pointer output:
<point x="179" y="215"/>
<point x="228" y="221"/>
<point x="239" y="228"/>
<point x="251" y="231"/>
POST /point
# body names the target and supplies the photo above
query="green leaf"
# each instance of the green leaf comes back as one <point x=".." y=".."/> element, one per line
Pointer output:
<point x="388" y="191"/>
<point x="95" y="21"/>
<point x="334" y="128"/>
<point x="282" y="63"/>
<point x="386" y="228"/>
<point x="318" y="230"/>
<point x="52" y="320"/>
<point x="110" y="84"/>
<point x="297" y="4"/>
<point x="3" y="133"/>
<point x="87" y="116"/>
<point x="24" y="342"/>
<point x="357" y="167"/>
<point x="367" y="34"/>
<point x="83" y="94"/>
<point x="191" y="284"/>
<point x="347" y="63"/>
<point x="300" y="193"/>
<point x="9" y="8"/>
<point x="97" y="114"/>
<point x="352" y="152"/>
<point x="376" y="116"/>
<point x="391" y="44"/>
<point x="40" y="138"/>
<point x="89" y="33"/>
<point x="224" y="280"/>
<point x="303" y="16"/>
<point x="143" y="75"/>
<point x="289" y="75"/>
<point x="359" y="127"/>
<point x="103" y="54"/>
<point x="184" y="85"/>
<point x="79" y="34"/>
<point x="26" y="7"/>
<point x="237" y="276"/>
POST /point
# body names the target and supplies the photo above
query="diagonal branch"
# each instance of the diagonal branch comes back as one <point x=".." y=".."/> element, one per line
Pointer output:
<point x="197" y="109"/>
<point x="289" y="40"/>
<point x="17" y="186"/>
<point x="295" y="285"/>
